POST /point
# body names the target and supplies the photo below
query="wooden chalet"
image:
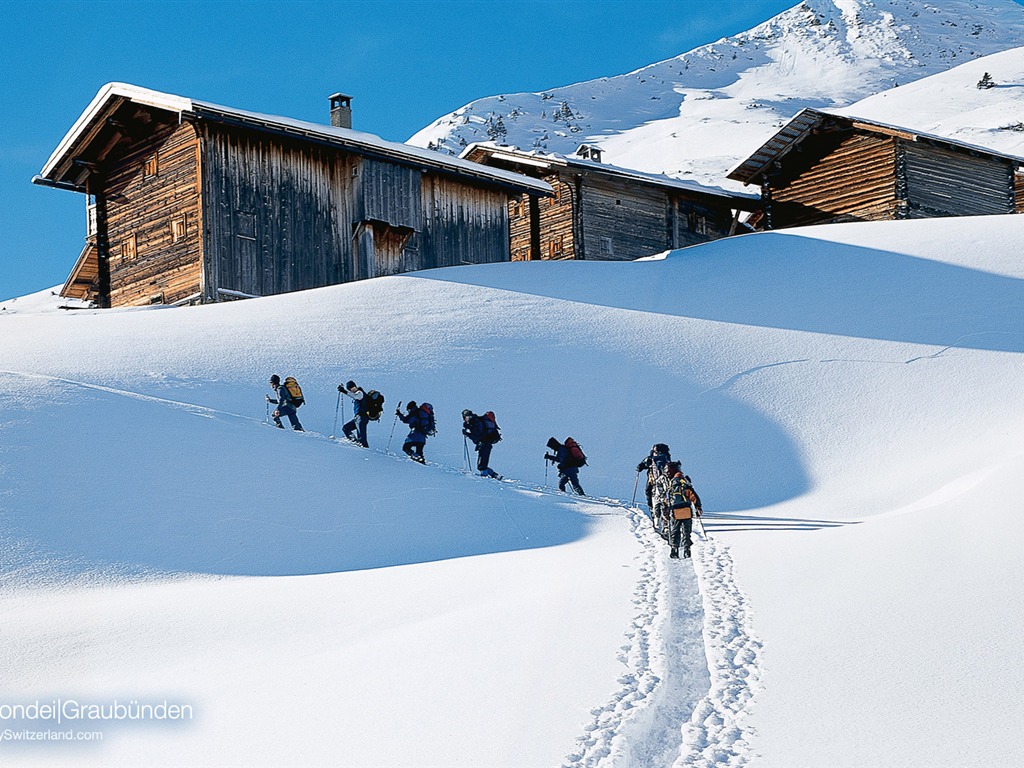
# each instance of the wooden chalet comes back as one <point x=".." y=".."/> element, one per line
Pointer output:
<point x="600" y="211"/>
<point x="193" y="202"/>
<point x="824" y="167"/>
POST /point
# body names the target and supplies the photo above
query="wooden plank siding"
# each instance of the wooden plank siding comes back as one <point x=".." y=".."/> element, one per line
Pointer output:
<point x="149" y="260"/>
<point x="1018" y="189"/>
<point x="279" y="214"/>
<point x="837" y="177"/>
<point x="621" y="221"/>
<point x="940" y="182"/>
<point x="519" y="228"/>
<point x="462" y="224"/>
<point x="618" y="220"/>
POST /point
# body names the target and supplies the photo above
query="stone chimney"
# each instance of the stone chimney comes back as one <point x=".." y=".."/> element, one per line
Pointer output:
<point x="341" y="110"/>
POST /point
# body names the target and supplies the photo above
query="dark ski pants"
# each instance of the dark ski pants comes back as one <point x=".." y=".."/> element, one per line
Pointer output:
<point x="679" y="527"/>
<point x="570" y="476"/>
<point x="483" y="459"/>
<point x="415" y="451"/>
<point x="357" y="425"/>
<point x="286" y="410"/>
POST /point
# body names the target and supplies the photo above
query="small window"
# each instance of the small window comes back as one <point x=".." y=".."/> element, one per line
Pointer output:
<point x="179" y="228"/>
<point x="245" y="225"/>
<point x="555" y="247"/>
<point x="698" y="224"/>
<point x="129" y="248"/>
<point x="607" y="247"/>
<point x="150" y="167"/>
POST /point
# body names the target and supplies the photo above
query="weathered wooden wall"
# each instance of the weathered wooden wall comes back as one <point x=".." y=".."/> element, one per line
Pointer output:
<point x="279" y="214"/>
<point x="837" y="177"/>
<point x="621" y="221"/>
<point x="462" y="224"/>
<point x="616" y="219"/>
<point x="1018" y="187"/>
<point x="548" y="228"/>
<point x="141" y="210"/>
<point x="695" y="219"/>
<point x="519" y="228"/>
<point x="286" y="216"/>
<point x="941" y="182"/>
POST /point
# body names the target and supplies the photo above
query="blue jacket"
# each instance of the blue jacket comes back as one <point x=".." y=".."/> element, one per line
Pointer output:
<point x="284" y="398"/>
<point x="476" y="430"/>
<point x="418" y="424"/>
<point x="563" y="458"/>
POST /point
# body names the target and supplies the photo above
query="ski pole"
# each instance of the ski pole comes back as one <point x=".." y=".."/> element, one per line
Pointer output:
<point x="268" y="411"/>
<point x="465" y="445"/>
<point x="393" y="424"/>
<point x="635" y="484"/>
<point x="335" y="430"/>
<point x="545" y="472"/>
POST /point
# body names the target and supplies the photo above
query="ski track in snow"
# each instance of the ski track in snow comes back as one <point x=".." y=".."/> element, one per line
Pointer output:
<point x="693" y="662"/>
<point x="693" y="667"/>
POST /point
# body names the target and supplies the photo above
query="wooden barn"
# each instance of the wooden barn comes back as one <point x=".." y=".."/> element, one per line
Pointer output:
<point x="193" y="202"/>
<point x="599" y="211"/>
<point x="823" y="167"/>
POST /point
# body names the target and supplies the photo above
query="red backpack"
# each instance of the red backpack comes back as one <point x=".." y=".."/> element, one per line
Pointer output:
<point x="492" y="433"/>
<point x="578" y="458"/>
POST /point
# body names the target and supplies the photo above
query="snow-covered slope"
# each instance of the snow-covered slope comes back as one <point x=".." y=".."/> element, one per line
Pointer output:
<point x="696" y="115"/>
<point x="951" y="104"/>
<point x="846" y="398"/>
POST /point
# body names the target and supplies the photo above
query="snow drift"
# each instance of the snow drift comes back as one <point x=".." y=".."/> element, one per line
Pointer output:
<point x="846" y="398"/>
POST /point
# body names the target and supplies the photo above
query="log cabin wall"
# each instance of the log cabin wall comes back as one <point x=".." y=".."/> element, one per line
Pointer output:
<point x="621" y="221"/>
<point x="695" y="219"/>
<point x="462" y="223"/>
<point x="153" y="222"/>
<point x="548" y="228"/>
<point x="557" y="220"/>
<point x="519" y="227"/>
<point x="1018" y="188"/>
<point x="279" y="213"/>
<point x="941" y="182"/>
<point x="838" y="176"/>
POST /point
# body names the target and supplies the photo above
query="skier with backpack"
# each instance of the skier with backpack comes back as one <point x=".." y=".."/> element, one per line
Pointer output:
<point x="655" y="463"/>
<point x="366" y="407"/>
<point x="568" y="457"/>
<point x="289" y="397"/>
<point x="420" y="419"/>
<point x="685" y="504"/>
<point x="484" y="432"/>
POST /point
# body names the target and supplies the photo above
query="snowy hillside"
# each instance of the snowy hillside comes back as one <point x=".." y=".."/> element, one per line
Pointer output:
<point x="951" y="104"/>
<point x="696" y="115"/>
<point x="846" y="398"/>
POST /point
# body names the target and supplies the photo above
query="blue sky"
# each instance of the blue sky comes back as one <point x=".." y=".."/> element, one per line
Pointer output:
<point x="405" y="63"/>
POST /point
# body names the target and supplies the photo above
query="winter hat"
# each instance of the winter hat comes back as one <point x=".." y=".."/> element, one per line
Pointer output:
<point x="350" y="385"/>
<point x="275" y="380"/>
<point x="553" y="444"/>
<point x="411" y="405"/>
<point x="466" y="414"/>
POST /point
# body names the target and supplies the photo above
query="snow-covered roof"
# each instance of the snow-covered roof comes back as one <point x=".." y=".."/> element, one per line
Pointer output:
<point x="807" y="120"/>
<point x="548" y="161"/>
<point x="112" y="94"/>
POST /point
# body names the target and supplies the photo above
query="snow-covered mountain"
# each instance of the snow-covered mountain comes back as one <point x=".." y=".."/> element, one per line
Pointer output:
<point x="696" y="115"/>
<point x="950" y="104"/>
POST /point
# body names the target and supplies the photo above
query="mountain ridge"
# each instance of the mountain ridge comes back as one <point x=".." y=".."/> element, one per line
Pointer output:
<point x="695" y="115"/>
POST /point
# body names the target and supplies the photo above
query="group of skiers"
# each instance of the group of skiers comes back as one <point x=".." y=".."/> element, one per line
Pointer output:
<point x="671" y="498"/>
